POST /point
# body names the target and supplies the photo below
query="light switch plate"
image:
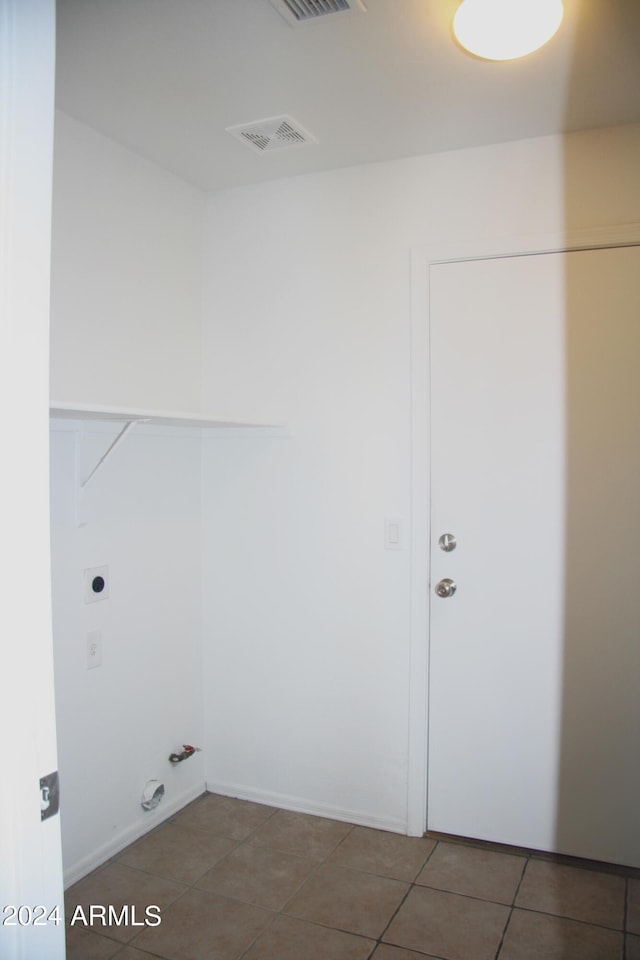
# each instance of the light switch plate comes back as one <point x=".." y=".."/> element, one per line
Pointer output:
<point x="393" y="533"/>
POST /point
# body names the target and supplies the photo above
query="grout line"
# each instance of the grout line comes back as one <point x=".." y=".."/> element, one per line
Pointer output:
<point x="320" y="863"/>
<point x="513" y="906"/>
<point x="504" y="933"/>
<point x="431" y="853"/>
<point x="394" y="915"/>
<point x="257" y="936"/>
<point x="125" y="946"/>
<point x="149" y="873"/>
<point x="467" y="896"/>
<point x="624" y="919"/>
<point x="562" y="916"/>
<point x="412" y="886"/>
<point x="313" y="872"/>
<point x="340" y="842"/>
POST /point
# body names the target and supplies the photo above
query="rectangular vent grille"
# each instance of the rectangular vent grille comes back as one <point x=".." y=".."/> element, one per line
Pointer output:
<point x="309" y="10"/>
<point x="304" y="11"/>
<point x="274" y="133"/>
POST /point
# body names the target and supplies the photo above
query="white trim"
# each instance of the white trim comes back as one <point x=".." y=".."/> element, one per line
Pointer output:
<point x="30" y="848"/>
<point x="421" y="260"/>
<point x="76" y="871"/>
<point x="299" y="805"/>
<point x="419" y="562"/>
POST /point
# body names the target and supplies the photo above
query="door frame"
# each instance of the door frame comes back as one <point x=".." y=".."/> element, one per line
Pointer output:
<point x="30" y="846"/>
<point x="422" y="259"/>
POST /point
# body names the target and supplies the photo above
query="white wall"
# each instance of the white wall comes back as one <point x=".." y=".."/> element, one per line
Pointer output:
<point x="118" y="723"/>
<point x="307" y="319"/>
<point x="126" y="270"/>
<point x="126" y="297"/>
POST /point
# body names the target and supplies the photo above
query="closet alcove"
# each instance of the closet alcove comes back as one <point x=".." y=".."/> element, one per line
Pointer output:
<point x="126" y="501"/>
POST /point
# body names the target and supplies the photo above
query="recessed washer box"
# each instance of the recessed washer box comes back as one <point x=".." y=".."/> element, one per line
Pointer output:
<point x="96" y="584"/>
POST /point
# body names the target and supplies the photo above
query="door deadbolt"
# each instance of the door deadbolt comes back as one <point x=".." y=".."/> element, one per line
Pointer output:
<point x="447" y="542"/>
<point x="446" y="588"/>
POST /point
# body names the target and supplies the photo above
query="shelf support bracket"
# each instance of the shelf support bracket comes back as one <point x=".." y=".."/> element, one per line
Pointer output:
<point x="110" y="450"/>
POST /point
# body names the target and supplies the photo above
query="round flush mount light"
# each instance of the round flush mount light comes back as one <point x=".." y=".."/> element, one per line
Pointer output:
<point x="506" y="29"/>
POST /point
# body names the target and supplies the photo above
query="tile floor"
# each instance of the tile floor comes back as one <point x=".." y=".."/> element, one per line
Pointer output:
<point x="234" y="879"/>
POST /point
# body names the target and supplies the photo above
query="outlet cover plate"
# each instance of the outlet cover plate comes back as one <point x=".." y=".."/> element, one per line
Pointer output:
<point x="94" y="649"/>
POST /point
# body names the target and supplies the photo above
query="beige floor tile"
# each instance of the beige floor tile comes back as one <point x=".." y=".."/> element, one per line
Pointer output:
<point x="258" y="875"/>
<point x="224" y="816"/>
<point x="118" y="886"/>
<point x="536" y="936"/>
<point x="203" y="926"/>
<point x="289" y="939"/>
<point x="386" y="854"/>
<point x="301" y="834"/>
<point x="633" y="906"/>
<point x="571" y="892"/>
<point x="348" y="899"/>
<point x="84" y="945"/>
<point x="447" y="925"/>
<point x="473" y="872"/>
<point x="177" y="853"/>
<point x="244" y="861"/>
<point x="385" y="952"/>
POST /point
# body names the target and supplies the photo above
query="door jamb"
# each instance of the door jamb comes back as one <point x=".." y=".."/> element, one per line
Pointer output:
<point x="422" y="258"/>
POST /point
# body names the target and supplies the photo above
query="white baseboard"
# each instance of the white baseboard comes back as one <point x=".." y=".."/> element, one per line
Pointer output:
<point x="76" y="871"/>
<point x="303" y="805"/>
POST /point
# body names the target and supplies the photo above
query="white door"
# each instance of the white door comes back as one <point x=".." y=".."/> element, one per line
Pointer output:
<point x="534" y="712"/>
<point x="31" y="909"/>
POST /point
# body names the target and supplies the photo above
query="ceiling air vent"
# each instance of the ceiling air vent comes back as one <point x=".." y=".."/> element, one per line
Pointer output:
<point x="274" y="133"/>
<point x="296" y="12"/>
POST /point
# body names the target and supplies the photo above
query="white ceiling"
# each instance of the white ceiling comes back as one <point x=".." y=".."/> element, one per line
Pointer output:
<point x="166" y="77"/>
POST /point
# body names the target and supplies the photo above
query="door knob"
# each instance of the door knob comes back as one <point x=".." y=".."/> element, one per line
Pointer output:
<point x="446" y="587"/>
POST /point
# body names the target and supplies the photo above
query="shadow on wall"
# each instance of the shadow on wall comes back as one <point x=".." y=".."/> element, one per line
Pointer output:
<point x="599" y="776"/>
<point x="599" y="769"/>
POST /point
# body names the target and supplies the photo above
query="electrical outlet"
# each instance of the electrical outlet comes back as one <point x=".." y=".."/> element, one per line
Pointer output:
<point x="96" y="584"/>
<point x="94" y="649"/>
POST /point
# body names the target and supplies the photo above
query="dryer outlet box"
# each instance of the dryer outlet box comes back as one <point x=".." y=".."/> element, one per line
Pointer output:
<point x="96" y="584"/>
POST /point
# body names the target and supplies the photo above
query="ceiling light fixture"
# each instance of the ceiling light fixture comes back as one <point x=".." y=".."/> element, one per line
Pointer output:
<point x="506" y="29"/>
